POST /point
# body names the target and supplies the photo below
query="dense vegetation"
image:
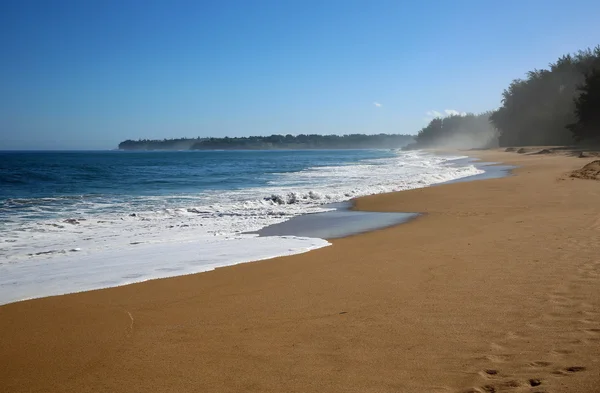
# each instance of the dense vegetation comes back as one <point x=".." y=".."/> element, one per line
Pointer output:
<point x="538" y="109"/>
<point x="157" y="144"/>
<point x="587" y="109"/>
<point x="302" y="141"/>
<point x="555" y="106"/>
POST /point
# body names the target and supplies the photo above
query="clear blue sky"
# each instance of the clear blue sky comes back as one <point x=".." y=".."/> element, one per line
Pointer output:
<point x="87" y="74"/>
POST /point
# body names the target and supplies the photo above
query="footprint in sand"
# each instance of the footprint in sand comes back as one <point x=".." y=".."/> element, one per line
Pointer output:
<point x="561" y="352"/>
<point x="489" y="373"/>
<point x="540" y="364"/>
<point x="576" y="341"/>
<point x="574" y="369"/>
<point x="534" y="382"/>
<point x="568" y="370"/>
<point x="497" y="383"/>
<point x="501" y="386"/>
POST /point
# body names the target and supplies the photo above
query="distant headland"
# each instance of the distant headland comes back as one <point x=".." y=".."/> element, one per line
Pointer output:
<point x="274" y="142"/>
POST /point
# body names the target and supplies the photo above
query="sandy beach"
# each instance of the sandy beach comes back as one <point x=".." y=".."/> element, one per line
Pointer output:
<point x="495" y="287"/>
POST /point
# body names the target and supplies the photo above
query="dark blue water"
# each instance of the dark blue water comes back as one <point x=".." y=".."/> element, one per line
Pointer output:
<point x="30" y="175"/>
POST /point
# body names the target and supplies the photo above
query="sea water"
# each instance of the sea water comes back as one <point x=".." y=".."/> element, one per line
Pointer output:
<point x="74" y="221"/>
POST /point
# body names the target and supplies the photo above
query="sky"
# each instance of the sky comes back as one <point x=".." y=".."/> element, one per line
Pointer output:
<point x="87" y="74"/>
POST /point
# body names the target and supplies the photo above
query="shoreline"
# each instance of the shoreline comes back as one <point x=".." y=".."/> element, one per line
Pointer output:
<point x="74" y="268"/>
<point x="467" y="287"/>
<point x="346" y="221"/>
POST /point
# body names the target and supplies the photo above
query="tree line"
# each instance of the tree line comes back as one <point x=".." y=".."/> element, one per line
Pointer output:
<point x="159" y="144"/>
<point x="555" y="106"/>
<point x="302" y="141"/>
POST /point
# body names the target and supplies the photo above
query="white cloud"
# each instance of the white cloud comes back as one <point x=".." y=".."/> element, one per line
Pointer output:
<point x="447" y="112"/>
<point x="453" y="112"/>
<point x="434" y="114"/>
<point x="377" y="104"/>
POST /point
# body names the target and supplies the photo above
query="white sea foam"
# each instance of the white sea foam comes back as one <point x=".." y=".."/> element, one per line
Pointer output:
<point x="113" y="267"/>
<point x="98" y="243"/>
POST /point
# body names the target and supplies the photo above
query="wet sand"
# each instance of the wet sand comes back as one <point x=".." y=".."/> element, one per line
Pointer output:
<point x="341" y="222"/>
<point x="496" y="287"/>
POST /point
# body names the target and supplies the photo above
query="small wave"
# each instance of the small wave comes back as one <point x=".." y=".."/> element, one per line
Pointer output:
<point x="294" y="197"/>
<point x="43" y="201"/>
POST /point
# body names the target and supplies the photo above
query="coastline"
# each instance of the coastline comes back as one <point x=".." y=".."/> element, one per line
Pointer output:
<point x="487" y="279"/>
<point x="346" y="220"/>
<point x="103" y="248"/>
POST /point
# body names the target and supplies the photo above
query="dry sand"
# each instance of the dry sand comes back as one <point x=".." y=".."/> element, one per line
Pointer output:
<point x="495" y="288"/>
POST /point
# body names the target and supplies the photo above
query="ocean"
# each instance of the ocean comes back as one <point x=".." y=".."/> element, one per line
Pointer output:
<point x="74" y="221"/>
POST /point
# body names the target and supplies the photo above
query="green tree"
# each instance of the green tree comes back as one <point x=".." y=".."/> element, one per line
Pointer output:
<point x="587" y="108"/>
<point x="536" y="110"/>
